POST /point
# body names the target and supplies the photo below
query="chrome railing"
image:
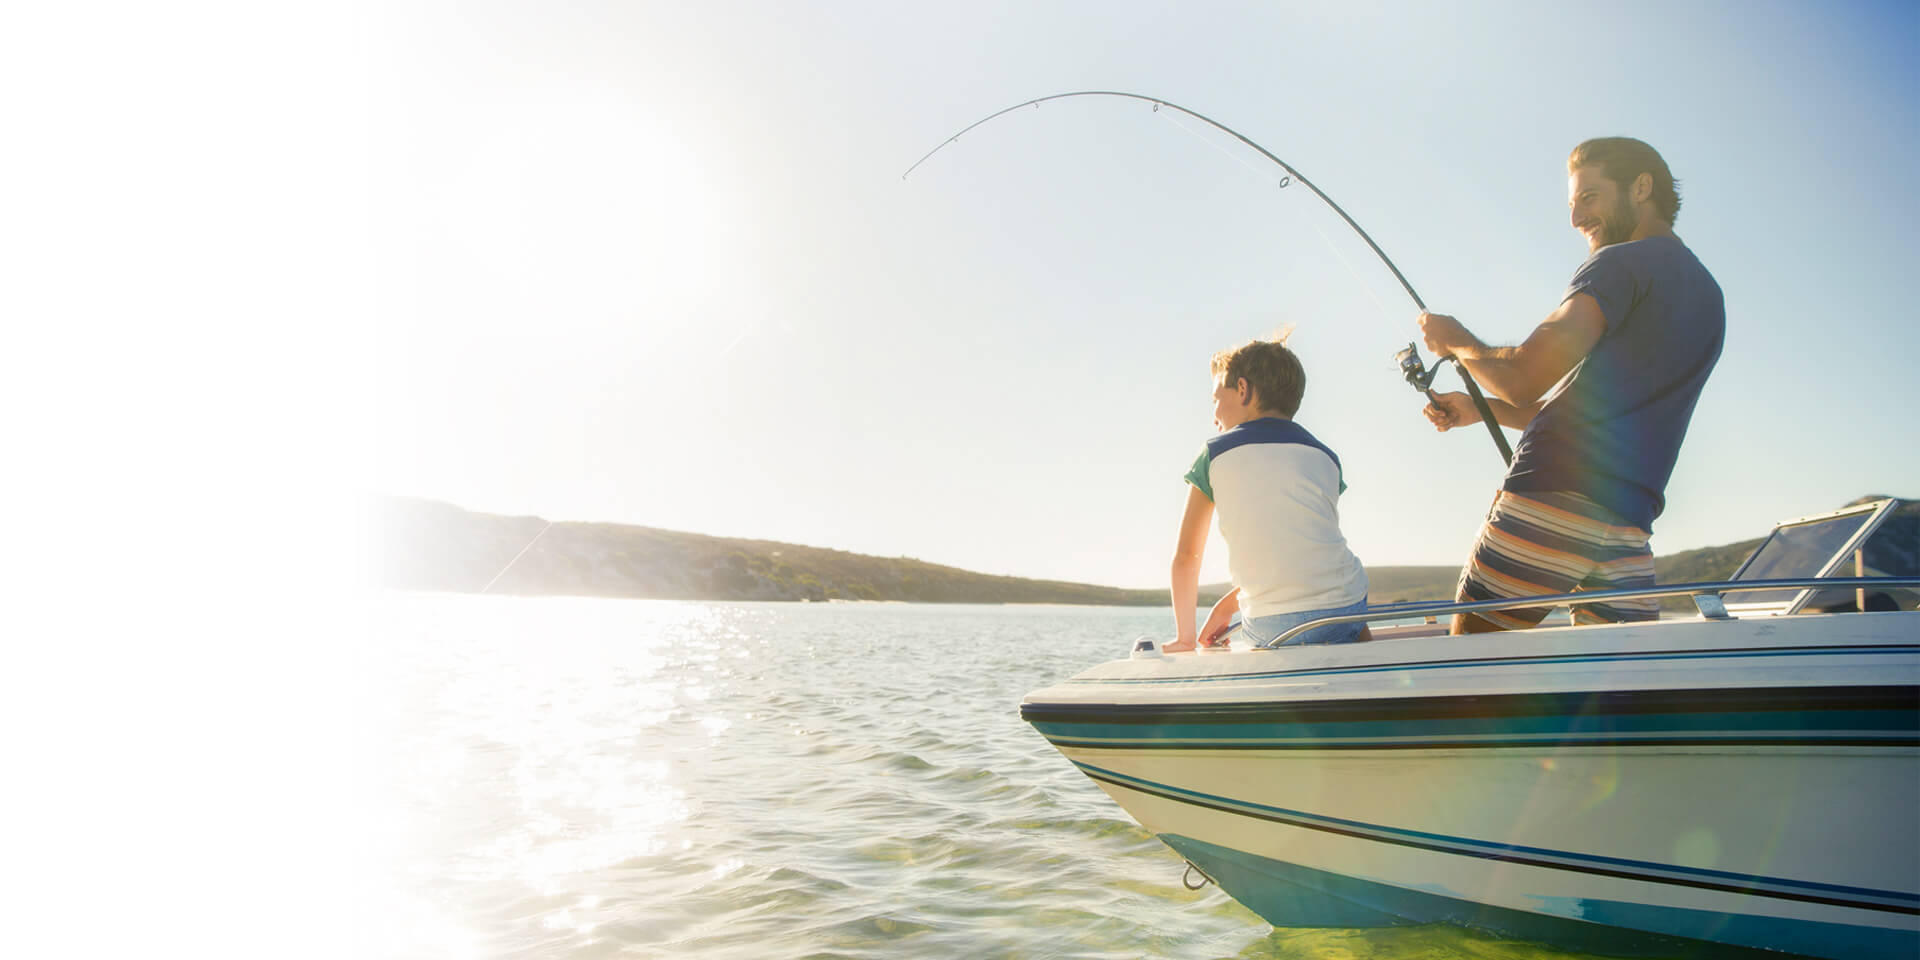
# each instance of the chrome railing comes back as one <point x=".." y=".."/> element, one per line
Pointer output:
<point x="1706" y="598"/>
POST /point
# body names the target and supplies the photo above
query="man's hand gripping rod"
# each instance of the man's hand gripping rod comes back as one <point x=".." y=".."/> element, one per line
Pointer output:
<point x="1417" y="374"/>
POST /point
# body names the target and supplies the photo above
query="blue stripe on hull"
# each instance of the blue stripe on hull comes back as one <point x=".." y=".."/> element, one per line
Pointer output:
<point x="1892" y="728"/>
<point x="1894" y="901"/>
<point x="1237" y="742"/>
<point x="1833" y="716"/>
<point x="1816" y="707"/>
<point x="1288" y="895"/>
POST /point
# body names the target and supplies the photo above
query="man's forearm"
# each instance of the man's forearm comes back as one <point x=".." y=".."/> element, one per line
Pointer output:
<point x="1522" y="375"/>
<point x="1497" y="371"/>
<point x="1509" y="415"/>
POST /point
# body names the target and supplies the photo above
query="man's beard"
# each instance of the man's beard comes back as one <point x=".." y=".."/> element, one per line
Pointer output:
<point x="1619" y="228"/>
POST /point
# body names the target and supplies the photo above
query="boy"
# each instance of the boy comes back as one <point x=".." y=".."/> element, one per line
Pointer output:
<point x="1277" y="490"/>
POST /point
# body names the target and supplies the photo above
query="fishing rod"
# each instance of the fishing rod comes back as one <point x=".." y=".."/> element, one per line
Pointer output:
<point x="1409" y="359"/>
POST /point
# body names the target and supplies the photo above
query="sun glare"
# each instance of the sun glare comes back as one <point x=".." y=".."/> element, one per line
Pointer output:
<point x="584" y="208"/>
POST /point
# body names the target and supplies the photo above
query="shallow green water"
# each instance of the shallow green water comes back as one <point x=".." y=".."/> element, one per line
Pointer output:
<point x="597" y="778"/>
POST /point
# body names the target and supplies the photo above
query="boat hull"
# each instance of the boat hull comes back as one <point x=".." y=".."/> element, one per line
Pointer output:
<point x="1621" y="790"/>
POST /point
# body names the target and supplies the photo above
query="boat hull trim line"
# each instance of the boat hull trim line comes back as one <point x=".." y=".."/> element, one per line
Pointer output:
<point x="1737" y="784"/>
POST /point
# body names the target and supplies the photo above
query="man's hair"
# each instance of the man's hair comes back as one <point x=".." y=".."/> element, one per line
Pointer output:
<point x="1623" y="160"/>
<point x="1274" y="373"/>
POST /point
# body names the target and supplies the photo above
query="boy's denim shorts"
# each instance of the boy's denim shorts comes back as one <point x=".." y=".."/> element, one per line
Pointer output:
<point x="1262" y="629"/>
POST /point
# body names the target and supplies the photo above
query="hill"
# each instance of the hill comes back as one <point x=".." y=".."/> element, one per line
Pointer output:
<point x="428" y="545"/>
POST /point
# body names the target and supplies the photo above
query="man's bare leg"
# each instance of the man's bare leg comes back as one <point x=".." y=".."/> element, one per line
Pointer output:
<point x="1470" y="623"/>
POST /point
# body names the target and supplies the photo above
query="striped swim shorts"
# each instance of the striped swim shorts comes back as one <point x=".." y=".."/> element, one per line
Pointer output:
<point x="1551" y="542"/>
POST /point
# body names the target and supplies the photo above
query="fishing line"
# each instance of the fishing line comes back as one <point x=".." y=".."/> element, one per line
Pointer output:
<point x="1365" y="286"/>
<point x="1473" y="389"/>
<point x="1236" y="158"/>
<point x="517" y="556"/>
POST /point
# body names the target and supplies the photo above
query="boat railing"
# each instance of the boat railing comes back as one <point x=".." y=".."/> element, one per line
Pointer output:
<point x="1706" y="598"/>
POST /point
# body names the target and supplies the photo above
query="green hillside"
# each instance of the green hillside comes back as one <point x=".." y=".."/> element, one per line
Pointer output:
<point x="1403" y="584"/>
<point x="427" y="545"/>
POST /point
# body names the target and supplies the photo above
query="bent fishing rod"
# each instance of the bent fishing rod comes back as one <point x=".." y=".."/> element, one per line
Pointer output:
<point x="1409" y="359"/>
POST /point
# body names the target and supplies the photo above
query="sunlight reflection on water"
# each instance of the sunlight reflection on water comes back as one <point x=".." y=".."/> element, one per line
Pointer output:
<point x="579" y="778"/>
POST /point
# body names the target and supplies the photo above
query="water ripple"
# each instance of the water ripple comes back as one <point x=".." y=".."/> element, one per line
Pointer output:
<point x="588" y="778"/>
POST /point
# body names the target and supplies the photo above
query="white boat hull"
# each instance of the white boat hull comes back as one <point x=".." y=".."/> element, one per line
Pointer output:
<point x="1748" y="784"/>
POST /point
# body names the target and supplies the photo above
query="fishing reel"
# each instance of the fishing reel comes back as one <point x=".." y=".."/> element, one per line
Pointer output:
<point x="1421" y="379"/>
<point x="1415" y="370"/>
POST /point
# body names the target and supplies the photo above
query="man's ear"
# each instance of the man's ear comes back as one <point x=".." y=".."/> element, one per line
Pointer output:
<point x="1643" y="188"/>
<point x="1245" y="390"/>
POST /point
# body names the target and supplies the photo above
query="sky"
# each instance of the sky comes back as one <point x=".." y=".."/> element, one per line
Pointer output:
<point x="656" y="263"/>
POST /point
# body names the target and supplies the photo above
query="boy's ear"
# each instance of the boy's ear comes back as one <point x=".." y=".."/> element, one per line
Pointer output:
<point x="1246" y="390"/>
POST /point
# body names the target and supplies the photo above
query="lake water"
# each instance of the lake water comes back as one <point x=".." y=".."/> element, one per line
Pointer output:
<point x="578" y="778"/>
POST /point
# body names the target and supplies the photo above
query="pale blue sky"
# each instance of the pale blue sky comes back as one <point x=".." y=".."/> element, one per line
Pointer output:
<point x="655" y="263"/>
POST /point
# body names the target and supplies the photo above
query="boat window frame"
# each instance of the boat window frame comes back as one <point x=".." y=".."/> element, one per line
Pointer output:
<point x="1877" y="510"/>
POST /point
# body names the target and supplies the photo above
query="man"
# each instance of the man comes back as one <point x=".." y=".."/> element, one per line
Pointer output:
<point x="1603" y="389"/>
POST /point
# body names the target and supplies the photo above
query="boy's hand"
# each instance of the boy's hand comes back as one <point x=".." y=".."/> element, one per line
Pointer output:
<point x="1218" y="632"/>
<point x="1449" y="410"/>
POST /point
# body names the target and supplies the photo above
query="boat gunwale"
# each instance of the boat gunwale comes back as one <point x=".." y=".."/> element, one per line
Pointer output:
<point x="1711" y="608"/>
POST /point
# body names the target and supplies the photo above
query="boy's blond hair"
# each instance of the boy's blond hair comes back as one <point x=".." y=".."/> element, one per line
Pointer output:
<point x="1275" y="374"/>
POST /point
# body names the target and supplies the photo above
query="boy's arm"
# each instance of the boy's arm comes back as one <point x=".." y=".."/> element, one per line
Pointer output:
<point x="1187" y="553"/>
<point x="1220" y="616"/>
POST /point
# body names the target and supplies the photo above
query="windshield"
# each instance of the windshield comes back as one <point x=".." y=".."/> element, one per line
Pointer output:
<point x="1797" y="550"/>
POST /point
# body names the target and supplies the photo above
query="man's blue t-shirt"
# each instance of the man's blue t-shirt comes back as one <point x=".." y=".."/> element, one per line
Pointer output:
<point x="1611" y="429"/>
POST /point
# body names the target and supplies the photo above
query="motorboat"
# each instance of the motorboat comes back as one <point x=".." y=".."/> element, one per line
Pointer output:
<point x="1741" y="778"/>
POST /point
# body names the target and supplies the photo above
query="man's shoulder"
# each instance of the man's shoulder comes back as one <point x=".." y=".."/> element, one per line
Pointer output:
<point x="1628" y="269"/>
<point x="1657" y="252"/>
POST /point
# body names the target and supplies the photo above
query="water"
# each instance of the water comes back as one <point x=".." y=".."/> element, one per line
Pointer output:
<point x="572" y="778"/>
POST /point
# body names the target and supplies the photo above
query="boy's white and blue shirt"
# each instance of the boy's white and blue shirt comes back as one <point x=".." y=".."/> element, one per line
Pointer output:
<point x="1276" y="492"/>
